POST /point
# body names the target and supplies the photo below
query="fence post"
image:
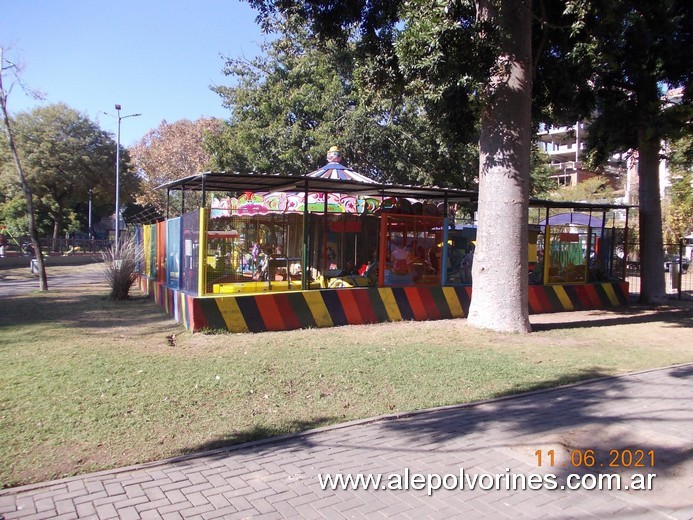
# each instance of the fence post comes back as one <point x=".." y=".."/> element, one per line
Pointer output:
<point x="681" y="251"/>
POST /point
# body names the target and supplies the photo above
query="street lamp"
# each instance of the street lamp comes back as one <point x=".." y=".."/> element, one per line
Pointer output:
<point x="117" y="201"/>
<point x="90" y="228"/>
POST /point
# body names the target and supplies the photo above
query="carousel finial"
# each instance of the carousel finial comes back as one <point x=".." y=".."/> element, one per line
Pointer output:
<point x="334" y="154"/>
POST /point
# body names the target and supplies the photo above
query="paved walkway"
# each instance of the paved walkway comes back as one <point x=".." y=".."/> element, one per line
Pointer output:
<point x="26" y="285"/>
<point x="279" y="478"/>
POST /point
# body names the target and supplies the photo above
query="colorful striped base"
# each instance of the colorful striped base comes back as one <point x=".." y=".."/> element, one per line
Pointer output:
<point x="334" y="307"/>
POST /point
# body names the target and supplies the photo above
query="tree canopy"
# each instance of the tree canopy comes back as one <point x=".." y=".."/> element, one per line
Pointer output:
<point x="9" y="69"/>
<point x="171" y="151"/>
<point x="678" y="213"/>
<point x="65" y="155"/>
<point x="290" y="105"/>
<point x="467" y="69"/>
<point x="637" y="49"/>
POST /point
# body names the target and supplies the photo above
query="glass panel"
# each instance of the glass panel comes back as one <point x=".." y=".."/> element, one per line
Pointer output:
<point x="461" y="244"/>
<point x="191" y="251"/>
<point x="257" y="248"/>
<point x="567" y="254"/>
<point x="173" y="235"/>
<point x="150" y="245"/>
<point x="412" y="246"/>
<point x="153" y="264"/>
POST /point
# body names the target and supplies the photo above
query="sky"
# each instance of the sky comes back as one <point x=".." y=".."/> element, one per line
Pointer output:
<point x="157" y="58"/>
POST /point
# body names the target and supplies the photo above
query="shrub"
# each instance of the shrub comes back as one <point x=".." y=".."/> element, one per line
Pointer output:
<point x="121" y="267"/>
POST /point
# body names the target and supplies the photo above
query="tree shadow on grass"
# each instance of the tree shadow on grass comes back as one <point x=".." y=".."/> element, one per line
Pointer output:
<point x="434" y="424"/>
<point x="82" y="308"/>
<point x="673" y="316"/>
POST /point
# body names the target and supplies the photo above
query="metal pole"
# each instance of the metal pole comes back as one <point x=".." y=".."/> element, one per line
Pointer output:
<point x="117" y="187"/>
<point x="682" y="247"/>
<point x="90" y="228"/>
<point x="117" y="201"/>
<point x="304" y="251"/>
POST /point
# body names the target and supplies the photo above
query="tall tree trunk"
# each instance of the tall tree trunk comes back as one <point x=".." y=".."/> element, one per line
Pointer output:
<point x="43" y="279"/>
<point x="652" y="286"/>
<point x="56" y="234"/>
<point x="57" y="226"/>
<point x="500" y="269"/>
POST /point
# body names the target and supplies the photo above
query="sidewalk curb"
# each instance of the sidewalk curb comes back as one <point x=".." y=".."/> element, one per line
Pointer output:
<point x="315" y="431"/>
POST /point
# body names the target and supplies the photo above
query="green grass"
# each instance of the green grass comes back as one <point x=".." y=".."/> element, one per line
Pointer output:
<point x="88" y="384"/>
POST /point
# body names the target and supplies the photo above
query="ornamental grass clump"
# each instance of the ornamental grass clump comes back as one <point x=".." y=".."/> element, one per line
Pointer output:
<point x="122" y="266"/>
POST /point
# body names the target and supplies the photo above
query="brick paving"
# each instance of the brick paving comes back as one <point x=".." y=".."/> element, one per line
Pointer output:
<point x="278" y="478"/>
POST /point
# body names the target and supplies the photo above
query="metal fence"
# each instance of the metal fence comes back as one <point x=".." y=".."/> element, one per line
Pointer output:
<point x="21" y="246"/>
<point x="678" y="276"/>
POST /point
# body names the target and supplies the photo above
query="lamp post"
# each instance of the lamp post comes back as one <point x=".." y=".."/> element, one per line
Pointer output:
<point x="117" y="193"/>
<point x="89" y="229"/>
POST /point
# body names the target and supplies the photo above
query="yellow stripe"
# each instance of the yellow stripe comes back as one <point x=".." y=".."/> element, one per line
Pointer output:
<point x="390" y="304"/>
<point x="202" y="250"/>
<point x="609" y="290"/>
<point x="453" y="302"/>
<point x="183" y="310"/>
<point x="563" y="296"/>
<point x="318" y="309"/>
<point x="232" y="315"/>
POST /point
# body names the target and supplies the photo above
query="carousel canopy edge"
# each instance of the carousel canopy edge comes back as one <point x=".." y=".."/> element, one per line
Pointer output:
<point x="587" y="206"/>
<point x="262" y="182"/>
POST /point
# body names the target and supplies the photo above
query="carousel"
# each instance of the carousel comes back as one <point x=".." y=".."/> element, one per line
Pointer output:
<point x="333" y="247"/>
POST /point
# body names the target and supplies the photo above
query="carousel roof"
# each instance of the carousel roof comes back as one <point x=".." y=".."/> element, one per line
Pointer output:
<point x="261" y="182"/>
<point x="573" y="218"/>
<point x="335" y="170"/>
<point x="313" y="182"/>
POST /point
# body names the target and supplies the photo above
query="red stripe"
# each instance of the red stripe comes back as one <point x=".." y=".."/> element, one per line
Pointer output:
<point x="291" y="321"/>
<point x="544" y="300"/>
<point x="363" y="301"/>
<point x="198" y="320"/>
<point x="351" y="309"/>
<point x="534" y="302"/>
<point x="269" y="312"/>
<point x="415" y="303"/>
<point x="429" y="303"/>
<point x="468" y="288"/>
<point x="583" y="296"/>
<point x="592" y="294"/>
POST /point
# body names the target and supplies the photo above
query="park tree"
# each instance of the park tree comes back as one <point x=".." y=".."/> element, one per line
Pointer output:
<point x="13" y="213"/>
<point x="473" y="68"/>
<point x="678" y="211"/>
<point x="8" y="68"/>
<point x="638" y="49"/>
<point x="304" y="95"/>
<point x="542" y="185"/>
<point x="171" y="151"/>
<point x="500" y="264"/>
<point x="65" y="154"/>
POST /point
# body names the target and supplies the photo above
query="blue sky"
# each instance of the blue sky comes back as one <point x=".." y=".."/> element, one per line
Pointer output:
<point x="154" y="57"/>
